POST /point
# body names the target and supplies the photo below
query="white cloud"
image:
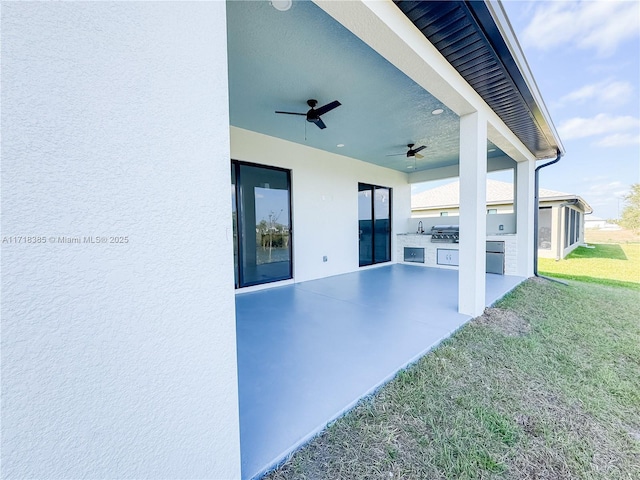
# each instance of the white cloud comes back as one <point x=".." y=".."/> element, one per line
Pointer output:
<point x="601" y="124"/>
<point x="598" y="25"/>
<point x="620" y="140"/>
<point x="600" y="192"/>
<point x="608" y="92"/>
<point x="596" y="178"/>
<point x="605" y="195"/>
<point x="606" y="187"/>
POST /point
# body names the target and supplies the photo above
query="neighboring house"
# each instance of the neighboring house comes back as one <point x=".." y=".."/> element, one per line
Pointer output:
<point x="561" y="222"/>
<point x="594" y="222"/>
<point x="597" y="223"/>
<point x="124" y="126"/>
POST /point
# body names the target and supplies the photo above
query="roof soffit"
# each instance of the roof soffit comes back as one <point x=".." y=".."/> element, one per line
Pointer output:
<point x="466" y="34"/>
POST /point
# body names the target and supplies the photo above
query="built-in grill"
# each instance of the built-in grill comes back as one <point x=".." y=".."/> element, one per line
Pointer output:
<point x="445" y="234"/>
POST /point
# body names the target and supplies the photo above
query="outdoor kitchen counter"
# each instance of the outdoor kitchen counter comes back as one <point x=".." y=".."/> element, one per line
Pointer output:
<point x="423" y="241"/>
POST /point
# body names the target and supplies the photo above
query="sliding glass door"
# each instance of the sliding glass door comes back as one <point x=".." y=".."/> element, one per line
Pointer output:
<point x="374" y="224"/>
<point x="261" y="224"/>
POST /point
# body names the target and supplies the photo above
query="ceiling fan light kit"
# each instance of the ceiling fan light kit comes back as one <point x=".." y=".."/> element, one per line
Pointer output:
<point x="314" y="114"/>
<point x="412" y="152"/>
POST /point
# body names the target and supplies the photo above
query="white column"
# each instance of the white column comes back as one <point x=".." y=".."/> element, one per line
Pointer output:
<point x="473" y="226"/>
<point x="524" y="216"/>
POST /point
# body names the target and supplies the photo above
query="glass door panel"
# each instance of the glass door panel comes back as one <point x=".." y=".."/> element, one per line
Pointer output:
<point x="234" y="213"/>
<point x="382" y="230"/>
<point x="264" y="225"/>
<point x="374" y="224"/>
<point x="365" y="224"/>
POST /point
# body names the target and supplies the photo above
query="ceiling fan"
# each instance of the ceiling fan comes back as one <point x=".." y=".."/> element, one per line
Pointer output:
<point x="314" y="114"/>
<point x="412" y="152"/>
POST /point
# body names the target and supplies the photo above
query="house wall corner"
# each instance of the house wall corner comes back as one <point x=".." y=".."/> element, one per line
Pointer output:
<point x="118" y="317"/>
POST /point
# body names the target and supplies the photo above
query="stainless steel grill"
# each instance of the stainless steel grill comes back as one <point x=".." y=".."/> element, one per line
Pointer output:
<point x="445" y="234"/>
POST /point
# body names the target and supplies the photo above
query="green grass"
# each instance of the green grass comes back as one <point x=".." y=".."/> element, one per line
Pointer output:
<point x="607" y="264"/>
<point x="558" y="399"/>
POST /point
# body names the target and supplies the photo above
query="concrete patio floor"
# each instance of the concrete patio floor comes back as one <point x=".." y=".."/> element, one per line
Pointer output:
<point x="308" y="352"/>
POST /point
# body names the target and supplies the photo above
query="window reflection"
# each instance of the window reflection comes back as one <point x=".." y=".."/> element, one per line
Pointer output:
<point x="263" y="241"/>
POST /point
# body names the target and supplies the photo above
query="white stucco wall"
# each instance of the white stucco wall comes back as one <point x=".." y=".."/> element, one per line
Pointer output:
<point x="324" y="200"/>
<point x="118" y="360"/>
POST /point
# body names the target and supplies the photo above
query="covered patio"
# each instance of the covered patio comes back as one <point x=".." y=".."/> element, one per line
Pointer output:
<point x="308" y="352"/>
<point x="180" y="102"/>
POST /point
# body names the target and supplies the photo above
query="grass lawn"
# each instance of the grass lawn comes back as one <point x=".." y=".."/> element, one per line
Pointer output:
<point x="609" y="264"/>
<point x="545" y="385"/>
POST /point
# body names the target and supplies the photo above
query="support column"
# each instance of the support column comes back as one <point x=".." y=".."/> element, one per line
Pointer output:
<point x="473" y="213"/>
<point x="524" y="217"/>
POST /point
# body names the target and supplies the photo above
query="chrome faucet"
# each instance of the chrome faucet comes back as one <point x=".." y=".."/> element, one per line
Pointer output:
<point x="420" y="229"/>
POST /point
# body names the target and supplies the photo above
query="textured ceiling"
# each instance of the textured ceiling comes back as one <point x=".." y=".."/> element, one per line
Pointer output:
<point x="278" y="60"/>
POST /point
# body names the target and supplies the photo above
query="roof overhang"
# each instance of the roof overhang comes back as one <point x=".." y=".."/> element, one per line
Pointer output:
<point x="477" y="39"/>
<point x="567" y="200"/>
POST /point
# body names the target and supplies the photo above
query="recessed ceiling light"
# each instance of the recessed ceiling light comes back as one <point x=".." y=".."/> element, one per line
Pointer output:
<point x="409" y="166"/>
<point x="492" y="150"/>
<point x="340" y="145"/>
<point x="437" y="111"/>
<point x="282" y="5"/>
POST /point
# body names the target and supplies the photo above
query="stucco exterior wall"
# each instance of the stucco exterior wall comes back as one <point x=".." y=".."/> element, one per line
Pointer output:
<point x="118" y="359"/>
<point x="324" y="200"/>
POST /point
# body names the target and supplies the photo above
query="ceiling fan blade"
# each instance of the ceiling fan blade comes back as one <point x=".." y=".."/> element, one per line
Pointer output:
<point x="292" y="113"/>
<point x="328" y="107"/>
<point x="417" y="155"/>
<point x="419" y="149"/>
<point x="319" y="123"/>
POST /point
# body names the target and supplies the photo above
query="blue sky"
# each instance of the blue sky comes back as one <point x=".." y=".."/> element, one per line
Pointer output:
<point x="585" y="57"/>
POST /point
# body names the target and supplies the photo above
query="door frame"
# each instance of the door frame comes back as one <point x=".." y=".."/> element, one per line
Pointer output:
<point x="373" y="188"/>
<point x="235" y="166"/>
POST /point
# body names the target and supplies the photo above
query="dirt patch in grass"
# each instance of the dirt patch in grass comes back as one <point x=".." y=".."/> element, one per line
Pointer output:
<point x="634" y="433"/>
<point x="505" y="322"/>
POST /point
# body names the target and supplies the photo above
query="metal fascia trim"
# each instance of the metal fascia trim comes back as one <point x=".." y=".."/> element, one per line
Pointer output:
<point x="516" y="54"/>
